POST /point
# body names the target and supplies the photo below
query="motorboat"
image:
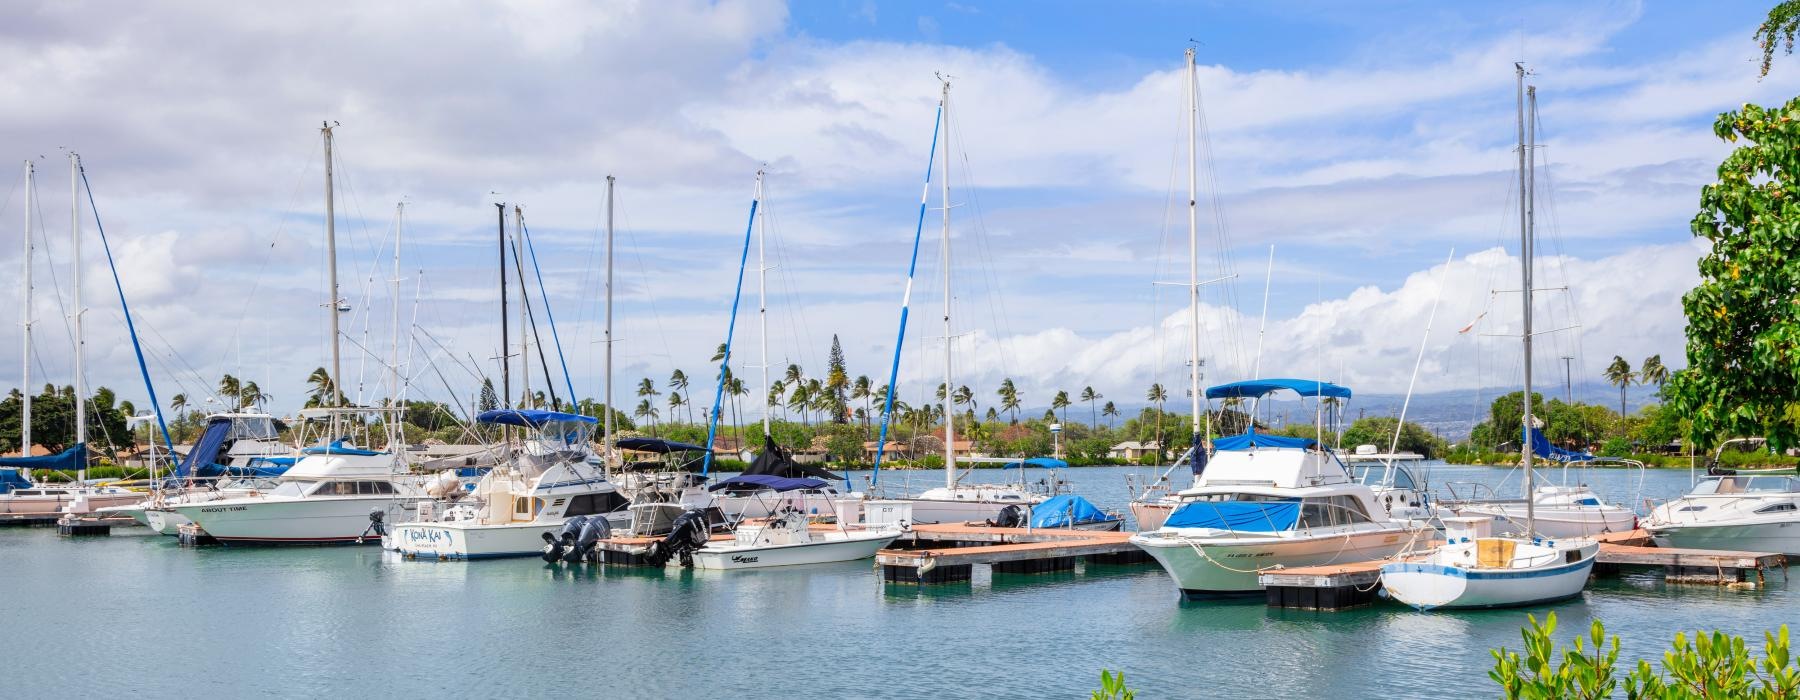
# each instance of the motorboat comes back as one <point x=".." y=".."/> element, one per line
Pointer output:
<point x="336" y="493"/>
<point x="1269" y="501"/>
<point x="792" y="538"/>
<point x="23" y="498"/>
<point x="1474" y="569"/>
<point x="1404" y="494"/>
<point x="236" y="453"/>
<point x="1744" y="511"/>
<point x="801" y="487"/>
<point x="516" y="506"/>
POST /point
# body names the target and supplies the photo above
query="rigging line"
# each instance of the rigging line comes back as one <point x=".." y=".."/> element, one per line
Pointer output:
<point x="531" y="321"/>
<point x="551" y="318"/>
<point x="798" y="324"/>
<point x="643" y="280"/>
<point x="149" y="387"/>
<point x="905" y="306"/>
<point x="984" y="247"/>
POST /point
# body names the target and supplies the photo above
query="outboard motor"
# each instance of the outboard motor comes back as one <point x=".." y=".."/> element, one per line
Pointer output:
<point x="377" y="524"/>
<point x="688" y="533"/>
<point x="1010" y="516"/>
<point x="555" y="545"/>
<point x="596" y="528"/>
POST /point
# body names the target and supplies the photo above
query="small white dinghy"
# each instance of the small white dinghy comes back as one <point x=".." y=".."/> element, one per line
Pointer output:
<point x="1476" y="570"/>
<point x="789" y="539"/>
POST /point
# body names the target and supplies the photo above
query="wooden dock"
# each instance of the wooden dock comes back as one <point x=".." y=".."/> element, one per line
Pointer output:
<point x="1340" y="586"/>
<point x="948" y="552"/>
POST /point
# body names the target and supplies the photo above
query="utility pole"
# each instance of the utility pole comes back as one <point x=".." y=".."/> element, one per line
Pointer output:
<point x="1568" y="381"/>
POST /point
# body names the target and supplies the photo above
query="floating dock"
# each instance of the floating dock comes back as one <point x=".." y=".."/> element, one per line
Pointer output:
<point x="949" y="552"/>
<point x="28" y="520"/>
<point x="1340" y="586"/>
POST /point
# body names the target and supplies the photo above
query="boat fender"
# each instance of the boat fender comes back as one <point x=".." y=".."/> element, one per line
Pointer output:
<point x="926" y="566"/>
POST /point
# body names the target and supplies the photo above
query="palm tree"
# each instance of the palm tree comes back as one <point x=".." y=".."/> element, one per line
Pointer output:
<point x="179" y="402"/>
<point x="253" y="394"/>
<point x="1109" y="410"/>
<point x="863" y="389"/>
<point x="648" y="413"/>
<point x="776" y="390"/>
<point x="1089" y="395"/>
<point x="1653" y="371"/>
<point x="231" y="390"/>
<point x="1619" y="374"/>
<point x="793" y="375"/>
<point x="675" y="404"/>
<point x="324" y="391"/>
<point x="678" y="384"/>
<point x="1158" y="395"/>
<point x="1061" y="403"/>
<point x="800" y="400"/>
<point x="1009" y="398"/>
<point x="735" y="387"/>
<point x="992" y="414"/>
<point x="964" y="396"/>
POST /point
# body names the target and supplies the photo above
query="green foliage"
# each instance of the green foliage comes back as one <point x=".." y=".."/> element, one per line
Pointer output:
<point x="53" y="420"/>
<point x="1704" y="666"/>
<point x="1616" y="447"/>
<point x="1584" y="672"/>
<point x="1743" y="320"/>
<point x="1112" y="687"/>
<point x="1379" y="431"/>
<point x="1778" y="30"/>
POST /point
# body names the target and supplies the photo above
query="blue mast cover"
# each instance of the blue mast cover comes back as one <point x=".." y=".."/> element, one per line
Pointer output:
<point x="66" y="460"/>
<point x="531" y="417"/>
<point x="1262" y="387"/>
<point x="1541" y="447"/>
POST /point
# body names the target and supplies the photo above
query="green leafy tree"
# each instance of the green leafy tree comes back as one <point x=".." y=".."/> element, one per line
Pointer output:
<point x="1583" y="674"/>
<point x="323" y="392"/>
<point x="1379" y="431"/>
<point x="1743" y="320"/>
<point x="1109" y="410"/>
<point x="1778" y="30"/>
<point x="678" y="386"/>
<point x="1704" y="666"/>
<point x="863" y="388"/>
<point x="489" y="399"/>
<point x="1009" y="398"/>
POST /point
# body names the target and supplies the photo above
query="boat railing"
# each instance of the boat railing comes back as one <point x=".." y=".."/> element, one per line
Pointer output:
<point x="1475" y="489"/>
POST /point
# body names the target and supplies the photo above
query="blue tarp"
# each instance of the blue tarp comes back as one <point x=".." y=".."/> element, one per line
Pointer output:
<point x="69" y="459"/>
<point x="659" y="446"/>
<point x="338" y="447"/>
<point x="1239" y="516"/>
<point x="1541" y="447"/>
<point x="1255" y="439"/>
<point x="1039" y="462"/>
<point x="11" y="479"/>
<point x="1261" y="387"/>
<point x="530" y="418"/>
<point x="1065" y="510"/>
<point x="200" y="461"/>
<point x="767" y="481"/>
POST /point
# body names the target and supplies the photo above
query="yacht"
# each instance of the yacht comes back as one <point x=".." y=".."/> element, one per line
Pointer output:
<point x="334" y="494"/>
<point x="1266" y="501"/>
<point x="236" y="453"/>
<point x="519" y="505"/>
<point x="1742" y="511"/>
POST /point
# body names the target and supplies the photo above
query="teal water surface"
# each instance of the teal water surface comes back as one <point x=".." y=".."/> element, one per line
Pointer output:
<point x="135" y="615"/>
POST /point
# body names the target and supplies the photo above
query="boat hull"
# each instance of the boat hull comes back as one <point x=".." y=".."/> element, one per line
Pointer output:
<point x="936" y="511"/>
<point x="1434" y="586"/>
<point x="1777" y="537"/>
<point x="299" y="521"/>
<point x="1211" y="567"/>
<point x="850" y="547"/>
<point x="52" y="504"/>
<point x="462" y="540"/>
<point x="1559" y="522"/>
<point x="1150" y="516"/>
<point x="165" y="521"/>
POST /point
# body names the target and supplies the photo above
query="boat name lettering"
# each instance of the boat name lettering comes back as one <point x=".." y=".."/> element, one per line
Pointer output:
<point x="225" y="509"/>
<point x="741" y="559"/>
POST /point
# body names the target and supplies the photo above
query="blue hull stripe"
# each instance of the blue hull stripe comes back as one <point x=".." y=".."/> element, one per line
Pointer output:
<point x="1482" y="574"/>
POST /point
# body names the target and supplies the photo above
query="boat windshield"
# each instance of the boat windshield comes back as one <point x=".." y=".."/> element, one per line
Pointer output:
<point x="1376" y="475"/>
<point x="293" y="488"/>
<point x="1243" y="497"/>
<point x="253" y="428"/>
<point x="564" y="435"/>
<point x="1722" y="485"/>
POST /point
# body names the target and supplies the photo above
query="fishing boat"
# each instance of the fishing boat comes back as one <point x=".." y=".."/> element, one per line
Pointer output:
<point x="1268" y="501"/>
<point x="237" y="453"/>
<point x="519" y="505"/>
<point x="1474" y="568"/>
<point x="774" y="482"/>
<point x="1755" y="510"/>
<point x="792" y="538"/>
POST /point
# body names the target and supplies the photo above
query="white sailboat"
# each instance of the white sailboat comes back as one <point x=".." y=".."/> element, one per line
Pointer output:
<point x="1475" y="569"/>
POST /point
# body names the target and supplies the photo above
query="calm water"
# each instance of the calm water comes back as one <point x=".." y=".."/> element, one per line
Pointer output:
<point x="135" y="615"/>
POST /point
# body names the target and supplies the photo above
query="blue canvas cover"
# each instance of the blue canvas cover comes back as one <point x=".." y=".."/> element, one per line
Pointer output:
<point x="1541" y="447"/>
<point x="530" y="418"/>
<point x="1254" y="439"/>
<point x="1262" y="387"/>
<point x="200" y="461"/>
<point x="767" y="481"/>
<point x="10" y="479"/>
<point x="337" y="447"/>
<point x="1038" y="462"/>
<point x="1238" y="516"/>
<point x="68" y="460"/>
<point x="659" y="446"/>
<point x="1066" y="510"/>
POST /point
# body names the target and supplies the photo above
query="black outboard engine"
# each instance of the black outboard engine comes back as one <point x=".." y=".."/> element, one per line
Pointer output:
<point x="688" y="533"/>
<point x="556" y="545"/>
<point x="1010" y="516"/>
<point x="594" y="529"/>
<point x="377" y="525"/>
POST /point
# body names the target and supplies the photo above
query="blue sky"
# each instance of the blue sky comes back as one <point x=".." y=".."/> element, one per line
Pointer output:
<point x="1362" y="142"/>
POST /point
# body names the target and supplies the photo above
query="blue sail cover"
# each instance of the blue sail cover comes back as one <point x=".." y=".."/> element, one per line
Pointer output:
<point x="1237" y="516"/>
<point x="768" y="481"/>
<point x="1541" y="447"/>
<point x="1066" y="510"/>
<point x="10" y="479"/>
<point x="1038" y="462"/>
<point x="1262" y="387"/>
<point x="201" y="460"/>
<point x="1255" y="439"/>
<point x="530" y="418"/>
<point x="656" y="445"/>
<point x="67" y="460"/>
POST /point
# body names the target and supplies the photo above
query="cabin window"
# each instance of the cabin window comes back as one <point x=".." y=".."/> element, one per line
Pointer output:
<point x="1572" y="556"/>
<point x="336" y="488"/>
<point x="1690" y="509"/>
<point x="527" y="506"/>
<point x="1778" y="508"/>
<point x="594" y="503"/>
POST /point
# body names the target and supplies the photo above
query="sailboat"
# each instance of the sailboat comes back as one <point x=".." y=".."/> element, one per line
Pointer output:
<point x="954" y="501"/>
<point x="1474" y="568"/>
<point x="20" y="496"/>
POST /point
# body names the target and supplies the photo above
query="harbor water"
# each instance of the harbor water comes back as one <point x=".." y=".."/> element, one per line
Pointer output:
<point x="135" y="615"/>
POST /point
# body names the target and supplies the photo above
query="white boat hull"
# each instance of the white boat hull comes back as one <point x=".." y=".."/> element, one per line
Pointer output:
<point x="1777" y="537"/>
<point x="936" y="511"/>
<point x="165" y="521"/>
<point x="314" y="520"/>
<point x="52" y="503"/>
<point x="1430" y="586"/>
<point x="824" y="549"/>
<point x="1220" y="566"/>
<point x="470" y="540"/>
<point x="1558" y="522"/>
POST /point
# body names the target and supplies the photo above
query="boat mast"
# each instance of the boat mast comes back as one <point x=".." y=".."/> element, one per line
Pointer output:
<point x="505" y="335"/>
<point x="80" y="346"/>
<point x="949" y="337"/>
<point x="337" y="383"/>
<point x="396" y="429"/>
<point x="762" y="309"/>
<point x="1525" y="226"/>
<point x="1199" y="441"/>
<point x="610" y="442"/>
<point x="525" y="326"/>
<point x="25" y="358"/>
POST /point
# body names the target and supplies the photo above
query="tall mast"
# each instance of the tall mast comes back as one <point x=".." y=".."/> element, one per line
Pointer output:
<point x="610" y="442"/>
<point x="80" y="346"/>
<point x="25" y="389"/>
<point x="505" y="337"/>
<point x="1193" y="78"/>
<point x="762" y="307"/>
<point x="1526" y="203"/>
<point x="524" y="305"/>
<point x="949" y="335"/>
<point x="394" y="373"/>
<point x="337" y="375"/>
